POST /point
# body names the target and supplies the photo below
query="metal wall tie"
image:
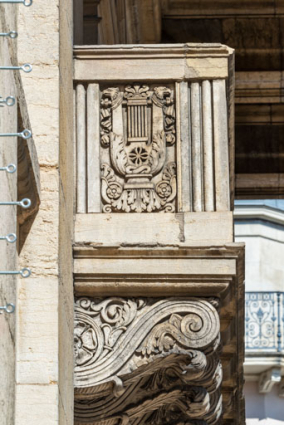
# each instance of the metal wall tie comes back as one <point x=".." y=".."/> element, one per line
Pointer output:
<point x="24" y="203"/>
<point x="24" y="2"/>
<point x="9" y="101"/>
<point x="25" y="134"/>
<point x="26" y="67"/>
<point x="11" y="238"/>
<point x="11" y="168"/>
<point x="8" y="308"/>
<point x="24" y="273"/>
<point x="11" y="34"/>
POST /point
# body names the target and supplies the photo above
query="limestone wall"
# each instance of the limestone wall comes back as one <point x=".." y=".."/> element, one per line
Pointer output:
<point x="37" y="330"/>
<point x="45" y="323"/>
<point x="8" y="224"/>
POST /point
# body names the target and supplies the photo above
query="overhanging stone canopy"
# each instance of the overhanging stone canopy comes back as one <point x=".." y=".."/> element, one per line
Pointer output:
<point x="158" y="279"/>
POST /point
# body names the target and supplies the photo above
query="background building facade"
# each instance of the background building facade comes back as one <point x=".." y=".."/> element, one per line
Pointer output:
<point x="260" y="225"/>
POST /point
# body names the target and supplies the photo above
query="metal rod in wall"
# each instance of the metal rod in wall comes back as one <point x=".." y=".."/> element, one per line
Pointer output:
<point x="11" y="238"/>
<point x="11" y="168"/>
<point x="24" y="203"/>
<point x="25" y="134"/>
<point x="24" y="272"/>
<point x="9" y="101"/>
<point x="26" y="3"/>
<point x="11" y="34"/>
<point x="8" y="308"/>
<point x="27" y="67"/>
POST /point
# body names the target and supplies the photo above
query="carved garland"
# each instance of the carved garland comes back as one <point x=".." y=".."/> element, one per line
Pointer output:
<point x="138" y="156"/>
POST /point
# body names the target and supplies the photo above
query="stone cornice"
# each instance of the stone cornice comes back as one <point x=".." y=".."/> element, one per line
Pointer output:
<point x="258" y="212"/>
<point x="122" y="51"/>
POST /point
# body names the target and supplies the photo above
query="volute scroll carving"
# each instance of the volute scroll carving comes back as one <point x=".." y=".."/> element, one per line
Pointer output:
<point x="138" y="163"/>
<point x="146" y="361"/>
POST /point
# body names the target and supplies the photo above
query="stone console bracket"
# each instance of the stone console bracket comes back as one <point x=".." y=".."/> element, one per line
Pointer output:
<point x="117" y="291"/>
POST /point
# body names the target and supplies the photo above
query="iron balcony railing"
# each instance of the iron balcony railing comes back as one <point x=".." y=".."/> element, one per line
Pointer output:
<point x="264" y="322"/>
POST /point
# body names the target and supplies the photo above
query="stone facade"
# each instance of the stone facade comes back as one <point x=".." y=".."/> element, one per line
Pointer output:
<point x="43" y="389"/>
<point x="45" y="314"/>
<point x="158" y="335"/>
<point x="134" y="223"/>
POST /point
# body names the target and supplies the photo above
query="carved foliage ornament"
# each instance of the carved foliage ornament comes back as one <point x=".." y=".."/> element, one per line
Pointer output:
<point x="138" y="153"/>
<point x="146" y="361"/>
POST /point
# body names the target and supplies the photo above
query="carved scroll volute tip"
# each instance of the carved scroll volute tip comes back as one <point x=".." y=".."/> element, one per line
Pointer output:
<point x="118" y="387"/>
<point x="104" y="140"/>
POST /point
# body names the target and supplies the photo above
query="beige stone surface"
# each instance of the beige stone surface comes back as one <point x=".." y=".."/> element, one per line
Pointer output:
<point x="37" y="316"/>
<point x="37" y="404"/>
<point x="176" y="62"/>
<point x="66" y="218"/>
<point x="36" y="343"/>
<point x="45" y="300"/>
<point x="206" y="68"/>
<point x="169" y="266"/>
<point x="182" y="229"/>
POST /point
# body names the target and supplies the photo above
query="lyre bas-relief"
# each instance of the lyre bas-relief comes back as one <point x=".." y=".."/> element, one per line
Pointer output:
<point x="138" y="159"/>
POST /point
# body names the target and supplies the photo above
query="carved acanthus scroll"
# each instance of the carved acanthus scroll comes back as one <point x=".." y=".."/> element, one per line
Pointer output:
<point x="137" y="138"/>
<point x="146" y="361"/>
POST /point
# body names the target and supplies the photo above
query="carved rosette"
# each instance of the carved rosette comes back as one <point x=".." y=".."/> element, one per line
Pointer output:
<point x="138" y="149"/>
<point x="147" y="361"/>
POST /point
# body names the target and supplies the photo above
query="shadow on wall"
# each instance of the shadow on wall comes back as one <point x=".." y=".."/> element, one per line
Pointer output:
<point x="263" y="409"/>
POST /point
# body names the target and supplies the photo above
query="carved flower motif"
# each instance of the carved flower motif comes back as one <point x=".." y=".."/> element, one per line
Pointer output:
<point x="138" y="156"/>
<point x="85" y="343"/>
<point x="114" y="190"/>
<point x="164" y="190"/>
<point x="136" y="91"/>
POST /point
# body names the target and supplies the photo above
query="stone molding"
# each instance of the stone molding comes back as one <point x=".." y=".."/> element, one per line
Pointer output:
<point x="259" y="212"/>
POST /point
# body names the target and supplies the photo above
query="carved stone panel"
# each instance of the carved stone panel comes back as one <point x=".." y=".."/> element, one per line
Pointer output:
<point x="147" y="361"/>
<point x="138" y="159"/>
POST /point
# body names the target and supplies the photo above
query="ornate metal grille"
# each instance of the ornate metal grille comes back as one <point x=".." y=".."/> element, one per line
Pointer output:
<point x="264" y="322"/>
